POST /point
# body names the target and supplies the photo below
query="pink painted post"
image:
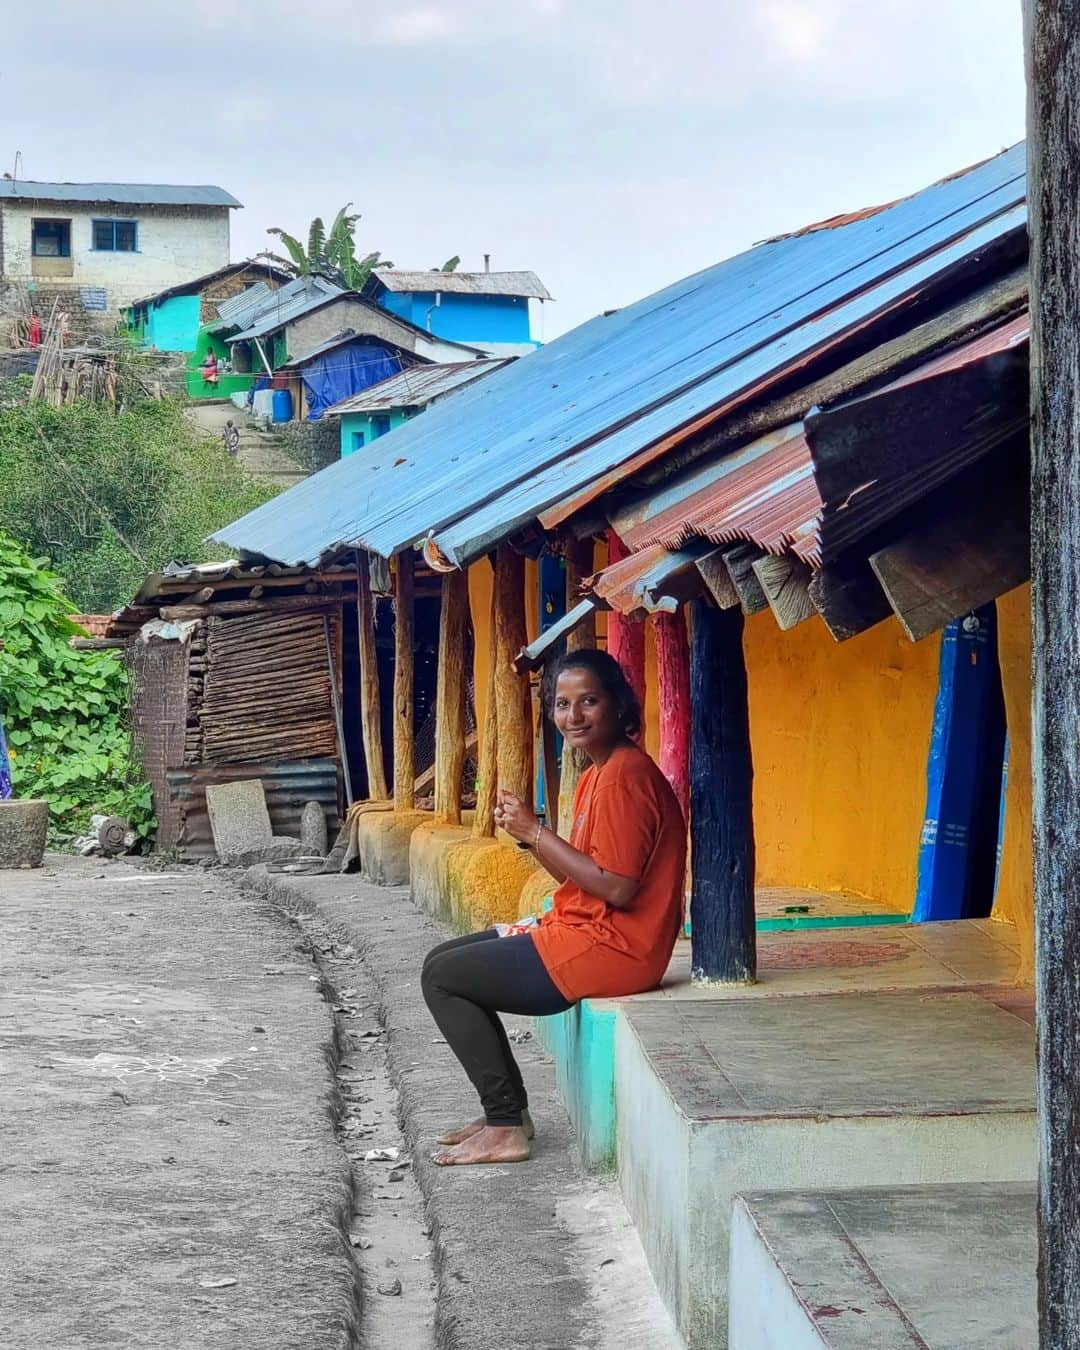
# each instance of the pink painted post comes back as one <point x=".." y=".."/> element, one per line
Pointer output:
<point x="673" y="687"/>
<point x="626" y="640"/>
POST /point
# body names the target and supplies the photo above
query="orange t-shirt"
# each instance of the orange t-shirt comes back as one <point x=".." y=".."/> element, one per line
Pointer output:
<point x="627" y="819"/>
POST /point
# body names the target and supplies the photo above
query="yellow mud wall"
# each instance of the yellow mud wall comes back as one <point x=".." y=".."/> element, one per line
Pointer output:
<point x="840" y="733"/>
<point x="1015" y="892"/>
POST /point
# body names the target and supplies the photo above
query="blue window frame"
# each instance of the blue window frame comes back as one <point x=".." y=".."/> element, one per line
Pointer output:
<point x="358" y="440"/>
<point x="380" y="425"/>
<point x="51" y="238"/>
<point x="115" y="236"/>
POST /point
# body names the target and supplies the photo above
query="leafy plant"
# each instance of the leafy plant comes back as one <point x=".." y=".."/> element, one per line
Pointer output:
<point x="64" y="711"/>
<point x="109" y="496"/>
<point x="329" y="253"/>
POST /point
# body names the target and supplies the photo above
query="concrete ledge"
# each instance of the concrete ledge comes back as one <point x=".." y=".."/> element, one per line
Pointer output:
<point x="539" y="886"/>
<point x="720" y="1097"/>
<point x="486" y="882"/>
<point x="430" y="845"/>
<point x="582" y="1044"/>
<point x="383" y="838"/>
<point x="914" y="1267"/>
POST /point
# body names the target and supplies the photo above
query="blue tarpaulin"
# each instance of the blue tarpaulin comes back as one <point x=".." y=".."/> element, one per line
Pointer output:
<point x="344" y="371"/>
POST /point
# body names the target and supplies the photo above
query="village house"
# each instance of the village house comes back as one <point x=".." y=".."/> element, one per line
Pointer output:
<point x="789" y="494"/>
<point x="380" y="408"/>
<point x="487" y="309"/>
<point x="100" y="246"/>
<point x="170" y="319"/>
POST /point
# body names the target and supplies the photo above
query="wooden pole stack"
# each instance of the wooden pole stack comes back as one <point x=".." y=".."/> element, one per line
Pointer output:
<point x="404" y="728"/>
<point x="370" y="705"/>
<point x="723" y="935"/>
<point x="1053" y="148"/>
<point x="513" y="702"/>
<point x="450" y="698"/>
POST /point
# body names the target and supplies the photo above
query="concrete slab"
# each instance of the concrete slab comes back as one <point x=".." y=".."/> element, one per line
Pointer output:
<point x="384" y="839"/>
<point x="722" y="1096"/>
<point x="239" y="820"/>
<point x="933" y="1267"/>
<point x="429" y="845"/>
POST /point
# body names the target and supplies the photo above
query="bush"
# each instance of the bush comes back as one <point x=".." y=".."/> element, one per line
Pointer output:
<point x="109" y="496"/>
<point x="64" y="711"/>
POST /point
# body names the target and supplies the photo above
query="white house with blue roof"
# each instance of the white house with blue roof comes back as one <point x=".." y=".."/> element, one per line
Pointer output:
<point x="111" y="243"/>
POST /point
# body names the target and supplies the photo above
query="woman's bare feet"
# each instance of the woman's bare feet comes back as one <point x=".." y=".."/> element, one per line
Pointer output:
<point x="490" y="1144"/>
<point x="475" y="1126"/>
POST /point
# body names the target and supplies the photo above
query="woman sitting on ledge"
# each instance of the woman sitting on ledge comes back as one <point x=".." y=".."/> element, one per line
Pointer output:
<point x="615" y="918"/>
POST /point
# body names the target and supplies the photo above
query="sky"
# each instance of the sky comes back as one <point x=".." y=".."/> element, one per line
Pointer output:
<point x="610" y="146"/>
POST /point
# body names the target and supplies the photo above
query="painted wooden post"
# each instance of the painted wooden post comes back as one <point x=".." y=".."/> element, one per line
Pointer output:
<point x="673" y="690"/>
<point x="1053" y="149"/>
<point x="626" y="640"/>
<point x="450" y="698"/>
<point x="487" y="778"/>
<point x="370" y="703"/>
<point x="513" y="702"/>
<point x="404" y="729"/>
<point x="723" y="938"/>
<point x="579" y="565"/>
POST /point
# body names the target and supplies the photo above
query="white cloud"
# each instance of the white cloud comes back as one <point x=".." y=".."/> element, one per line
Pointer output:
<point x="798" y="30"/>
<point x="417" y="26"/>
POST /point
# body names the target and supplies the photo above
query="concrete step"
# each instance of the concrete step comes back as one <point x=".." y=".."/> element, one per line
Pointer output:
<point x="262" y="453"/>
<point x="938" y="1267"/>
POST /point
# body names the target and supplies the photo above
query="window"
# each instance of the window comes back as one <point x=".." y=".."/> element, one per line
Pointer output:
<point x="115" y="236"/>
<point x="51" y="238"/>
<point x="358" y="440"/>
<point x="380" y="425"/>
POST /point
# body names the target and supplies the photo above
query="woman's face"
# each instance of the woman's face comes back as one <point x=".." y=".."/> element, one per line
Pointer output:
<point x="585" y="713"/>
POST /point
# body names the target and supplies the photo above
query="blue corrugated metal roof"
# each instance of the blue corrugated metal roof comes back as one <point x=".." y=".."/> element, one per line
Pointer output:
<point x="508" y="447"/>
<point x="416" y="387"/>
<point x="118" y="194"/>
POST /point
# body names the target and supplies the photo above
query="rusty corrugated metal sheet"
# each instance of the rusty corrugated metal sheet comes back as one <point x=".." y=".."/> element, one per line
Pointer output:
<point x="655" y="580"/>
<point x="288" y="786"/>
<point x="159" y="679"/>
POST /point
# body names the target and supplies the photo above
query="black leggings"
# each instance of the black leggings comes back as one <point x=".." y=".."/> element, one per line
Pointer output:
<point x="467" y="982"/>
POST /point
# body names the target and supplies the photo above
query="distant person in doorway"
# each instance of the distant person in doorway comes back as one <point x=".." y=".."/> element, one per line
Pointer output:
<point x="209" y="370"/>
<point x="616" y="913"/>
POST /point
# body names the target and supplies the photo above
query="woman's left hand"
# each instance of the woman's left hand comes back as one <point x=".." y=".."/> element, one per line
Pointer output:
<point x="513" y="816"/>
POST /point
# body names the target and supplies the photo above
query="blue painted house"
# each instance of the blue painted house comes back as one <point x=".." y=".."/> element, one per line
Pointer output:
<point x="368" y="415"/>
<point x="169" y="320"/>
<point x="485" y="309"/>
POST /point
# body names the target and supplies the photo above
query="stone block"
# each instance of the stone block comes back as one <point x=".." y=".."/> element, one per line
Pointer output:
<point x="23" y="829"/>
<point x="383" y="838"/>
<point x="239" y="820"/>
<point x="313" y="834"/>
<point x="279" y="848"/>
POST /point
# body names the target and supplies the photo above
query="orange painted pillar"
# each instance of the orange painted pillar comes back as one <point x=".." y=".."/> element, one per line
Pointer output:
<point x="673" y="686"/>
<point x="626" y="639"/>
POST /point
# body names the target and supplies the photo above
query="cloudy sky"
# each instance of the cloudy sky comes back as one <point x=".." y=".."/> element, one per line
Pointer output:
<point x="609" y="145"/>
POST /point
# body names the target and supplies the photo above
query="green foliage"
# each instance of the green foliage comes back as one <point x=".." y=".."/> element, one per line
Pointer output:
<point x="329" y="253"/>
<point x="64" y="711"/>
<point x="451" y="264"/>
<point x="109" y="496"/>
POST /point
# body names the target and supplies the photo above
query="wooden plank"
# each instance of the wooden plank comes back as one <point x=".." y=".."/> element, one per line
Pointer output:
<point x="739" y="561"/>
<point x="973" y="548"/>
<point x="404" y="724"/>
<point x="673" y="693"/>
<point x="849" y="598"/>
<point x="786" y="584"/>
<point x="370" y="701"/>
<point x="579" y="565"/>
<point x="714" y="573"/>
<point x="488" y="768"/>
<point x="450" y="698"/>
<point x="723" y="922"/>
<point x="424" y="781"/>
<point x="1053" y="68"/>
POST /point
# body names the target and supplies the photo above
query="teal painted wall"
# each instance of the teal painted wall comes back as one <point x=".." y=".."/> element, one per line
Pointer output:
<point x="173" y="326"/>
<point x="582" y="1044"/>
<point x="353" y="424"/>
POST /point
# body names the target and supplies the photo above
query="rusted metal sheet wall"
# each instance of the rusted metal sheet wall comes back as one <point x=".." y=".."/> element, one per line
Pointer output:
<point x="158" y="670"/>
<point x="266" y="692"/>
<point x="287" y="784"/>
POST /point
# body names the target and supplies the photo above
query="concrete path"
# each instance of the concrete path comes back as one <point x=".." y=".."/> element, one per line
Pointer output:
<point x="538" y="1255"/>
<point x="169" y="1171"/>
<point x="260" y="452"/>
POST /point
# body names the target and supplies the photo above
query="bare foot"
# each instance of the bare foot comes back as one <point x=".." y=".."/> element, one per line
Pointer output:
<point x="490" y="1144"/>
<point x="475" y="1126"/>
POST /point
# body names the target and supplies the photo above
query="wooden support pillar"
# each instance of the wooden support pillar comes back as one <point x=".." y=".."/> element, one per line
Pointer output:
<point x="673" y="689"/>
<point x="450" y="698"/>
<point x="513" y="702"/>
<point x="404" y="728"/>
<point x="370" y="704"/>
<point x="579" y="565"/>
<point x="487" y="778"/>
<point x="1053" y="154"/>
<point x="723" y="937"/>
<point x="626" y="639"/>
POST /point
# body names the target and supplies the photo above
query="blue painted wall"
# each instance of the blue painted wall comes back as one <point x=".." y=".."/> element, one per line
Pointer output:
<point x="370" y="428"/>
<point x="463" y="318"/>
<point x="173" y="326"/>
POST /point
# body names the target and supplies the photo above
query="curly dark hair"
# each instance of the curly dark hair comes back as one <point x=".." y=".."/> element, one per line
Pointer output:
<point x="609" y="675"/>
